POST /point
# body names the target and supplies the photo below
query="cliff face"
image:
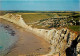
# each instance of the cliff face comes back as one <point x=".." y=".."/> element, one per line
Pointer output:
<point x="17" y="19"/>
<point x="63" y="41"/>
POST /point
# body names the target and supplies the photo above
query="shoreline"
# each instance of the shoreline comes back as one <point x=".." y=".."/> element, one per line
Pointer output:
<point x="11" y="31"/>
<point x="58" y="38"/>
<point x="45" y="43"/>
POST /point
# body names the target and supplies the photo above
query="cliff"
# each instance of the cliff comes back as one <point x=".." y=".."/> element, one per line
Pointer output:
<point x="63" y="41"/>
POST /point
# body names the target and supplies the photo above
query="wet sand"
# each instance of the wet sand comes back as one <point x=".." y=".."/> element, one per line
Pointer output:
<point x="28" y="44"/>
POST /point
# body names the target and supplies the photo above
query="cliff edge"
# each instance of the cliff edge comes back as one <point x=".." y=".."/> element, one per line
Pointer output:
<point x="63" y="41"/>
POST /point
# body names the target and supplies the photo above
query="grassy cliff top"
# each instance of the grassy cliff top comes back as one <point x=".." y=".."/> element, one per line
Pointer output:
<point x="34" y="16"/>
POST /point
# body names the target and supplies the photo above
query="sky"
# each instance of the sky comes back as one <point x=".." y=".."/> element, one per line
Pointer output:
<point x="40" y="5"/>
<point x="39" y="0"/>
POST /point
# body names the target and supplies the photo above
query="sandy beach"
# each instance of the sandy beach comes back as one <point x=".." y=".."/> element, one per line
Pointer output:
<point x="28" y="44"/>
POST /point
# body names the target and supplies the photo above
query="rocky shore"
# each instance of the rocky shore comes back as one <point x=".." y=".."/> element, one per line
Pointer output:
<point x="64" y="42"/>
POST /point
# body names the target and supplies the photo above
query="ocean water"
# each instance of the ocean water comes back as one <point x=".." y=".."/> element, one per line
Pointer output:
<point x="6" y="40"/>
<point x="65" y="5"/>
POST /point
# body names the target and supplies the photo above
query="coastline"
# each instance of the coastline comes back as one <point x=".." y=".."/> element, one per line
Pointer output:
<point x="43" y="45"/>
<point x="57" y="38"/>
<point x="10" y="30"/>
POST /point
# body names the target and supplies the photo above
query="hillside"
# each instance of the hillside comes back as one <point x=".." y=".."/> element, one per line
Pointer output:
<point x="63" y="41"/>
<point x="50" y="19"/>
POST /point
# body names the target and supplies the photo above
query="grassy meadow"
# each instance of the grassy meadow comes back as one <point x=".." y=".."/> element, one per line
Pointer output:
<point x="30" y="17"/>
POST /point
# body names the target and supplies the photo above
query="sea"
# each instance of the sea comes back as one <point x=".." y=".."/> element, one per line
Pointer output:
<point x="6" y="39"/>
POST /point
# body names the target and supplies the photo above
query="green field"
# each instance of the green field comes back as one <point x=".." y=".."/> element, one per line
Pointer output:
<point x="75" y="28"/>
<point x="34" y="16"/>
<point x="29" y="18"/>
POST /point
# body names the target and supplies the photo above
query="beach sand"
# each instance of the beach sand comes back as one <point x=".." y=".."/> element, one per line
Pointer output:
<point x="28" y="44"/>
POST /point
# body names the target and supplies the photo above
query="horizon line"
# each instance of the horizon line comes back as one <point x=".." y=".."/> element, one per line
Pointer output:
<point x="34" y="10"/>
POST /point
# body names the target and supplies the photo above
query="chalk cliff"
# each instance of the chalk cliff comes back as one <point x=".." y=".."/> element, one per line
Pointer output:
<point x="63" y="41"/>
